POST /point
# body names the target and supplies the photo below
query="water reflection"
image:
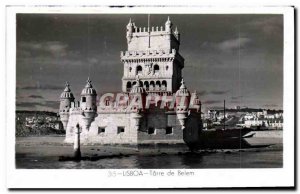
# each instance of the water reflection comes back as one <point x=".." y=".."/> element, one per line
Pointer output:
<point x="189" y="161"/>
<point x="205" y="160"/>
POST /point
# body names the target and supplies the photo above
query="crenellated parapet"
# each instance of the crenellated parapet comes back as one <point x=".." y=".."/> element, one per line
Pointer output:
<point x="150" y="38"/>
<point x="151" y="56"/>
<point x="148" y="53"/>
<point x="135" y="31"/>
<point x="75" y="111"/>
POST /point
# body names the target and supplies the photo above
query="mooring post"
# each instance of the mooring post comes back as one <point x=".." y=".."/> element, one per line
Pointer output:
<point x="77" y="153"/>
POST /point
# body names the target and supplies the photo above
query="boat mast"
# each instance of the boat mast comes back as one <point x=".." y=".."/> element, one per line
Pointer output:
<point x="224" y="114"/>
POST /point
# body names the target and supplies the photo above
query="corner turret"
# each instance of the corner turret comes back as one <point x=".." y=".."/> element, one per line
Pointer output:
<point x="66" y="98"/>
<point x="177" y="34"/>
<point x="130" y="30"/>
<point x="182" y="104"/>
<point x="88" y="104"/>
<point x="168" y="25"/>
<point x="88" y="97"/>
<point x="137" y="97"/>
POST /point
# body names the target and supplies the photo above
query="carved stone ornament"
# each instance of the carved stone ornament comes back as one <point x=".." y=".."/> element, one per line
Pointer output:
<point x="148" y="68"/>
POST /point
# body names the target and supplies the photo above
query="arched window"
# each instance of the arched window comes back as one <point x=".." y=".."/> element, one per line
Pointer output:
<point x="164" y="85"/>
<point x="133" y="83"/>
<point x="157" y="85"/>
<point x="83" y="99"/>
<point x="139" y="70"/>
<point x="152" y="85"/>
<point x="156" y="68"/>
<point x="107" y="101"/>
<point x="146" y="84"/>
<point x="167" y="67"/>
<point x="128" y="86"/>
<point x="141" y="83"/>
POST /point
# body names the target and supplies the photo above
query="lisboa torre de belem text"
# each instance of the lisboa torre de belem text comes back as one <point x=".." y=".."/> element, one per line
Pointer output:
<point x="154" y="106"/>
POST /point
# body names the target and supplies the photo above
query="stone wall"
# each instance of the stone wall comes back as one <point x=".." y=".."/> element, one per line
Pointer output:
<point x="162" y="123"/>
<point x="118" y="129"/>
<point x="157" y="126"/>
<point x="74" y="118"/>
<point x="193" y="126"/>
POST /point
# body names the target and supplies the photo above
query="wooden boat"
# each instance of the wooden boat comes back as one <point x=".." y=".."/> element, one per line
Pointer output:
<point x="221" y="138"/>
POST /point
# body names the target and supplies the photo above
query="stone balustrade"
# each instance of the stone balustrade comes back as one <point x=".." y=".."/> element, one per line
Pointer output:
<point x="147" y="53"/>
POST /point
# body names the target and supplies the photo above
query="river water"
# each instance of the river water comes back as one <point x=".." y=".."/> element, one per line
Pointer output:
<point x="244" y="159"/>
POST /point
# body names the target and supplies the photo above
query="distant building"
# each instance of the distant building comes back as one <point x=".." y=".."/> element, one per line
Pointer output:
<point x="269" y="116"/>
<point x="256" y="122"/>
<point x="250" y="116"/>
<point x="259" y="114"/>
<point x="276" y="123"/>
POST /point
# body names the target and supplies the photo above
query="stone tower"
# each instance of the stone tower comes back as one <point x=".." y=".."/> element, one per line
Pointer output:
<point x="138" y="95"/>
<point x="153" y="55"/>
<point x="66" y="98"/>
<point x="88" y="97"/>
<point x="183" y="97"/>
<point x="88" y="104"/>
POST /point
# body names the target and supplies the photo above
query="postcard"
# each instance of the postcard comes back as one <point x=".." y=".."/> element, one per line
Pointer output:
<point x="150" y="97"/>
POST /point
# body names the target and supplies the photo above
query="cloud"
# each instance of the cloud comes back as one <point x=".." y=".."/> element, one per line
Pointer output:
<point x="93" y="60"/>
<point x="52" y="104"/>
<point x="270" y="105"/>
<point x="269" y="26"/>
<point x="28" y="104"/>
<point x="216" y="107"/>
<point x="41" y="87"/>
<point x="236" y="97"/>
<point x="47" y="47"/>
<point x="49" y="104"/>
<point x="35" y="96"/>
<point x="228" y="45"/>
<point x="212" y="101"/>
<point x="232" y="44"/>
<point x="218" y="92"/>
<point x="235" y="101"/>
<point x="202" y="93"/>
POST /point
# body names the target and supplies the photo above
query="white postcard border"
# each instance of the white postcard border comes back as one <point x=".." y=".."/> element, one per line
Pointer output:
<point x="98" y="178"/>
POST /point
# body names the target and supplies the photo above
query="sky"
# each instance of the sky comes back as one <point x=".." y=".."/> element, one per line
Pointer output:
<point x="237" y="58"/>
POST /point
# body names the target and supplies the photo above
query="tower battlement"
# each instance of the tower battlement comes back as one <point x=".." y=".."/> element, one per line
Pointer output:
<point x="152" y="38"/>
<point x="154" y="31"/>
<point x="153" y="55"/>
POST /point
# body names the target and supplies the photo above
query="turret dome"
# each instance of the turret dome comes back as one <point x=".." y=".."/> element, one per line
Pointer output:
<point x="130" y="24"/>
<point x="67" y="92"/>
<point x="183" y="91"/>
<point x="88" y="89"/>
<point x="197" y="99"/>
<point x="168" y="22"/>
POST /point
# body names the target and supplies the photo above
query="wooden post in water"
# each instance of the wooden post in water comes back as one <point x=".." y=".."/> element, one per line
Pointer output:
<point x="77" y="153"/>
